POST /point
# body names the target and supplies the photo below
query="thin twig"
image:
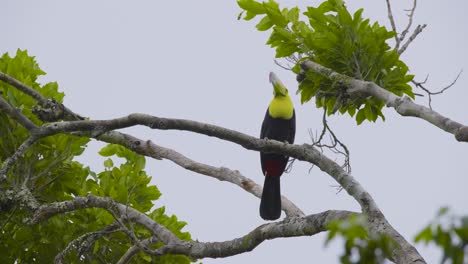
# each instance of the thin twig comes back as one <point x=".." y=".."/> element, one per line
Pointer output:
<point x="16" y="114"/>
<point x="84" y="242"/>
<point x="9" y="218"/>
<point x="127" y="257"/>
<point x="413" y="36"/>
<point x="288" y="67"/>
<point x="392" y="23"/>
<point x="8" y="163"/>
<point x="334" y="142"/>
<point x="410" y="22"/>
<point x="429" y="93"/>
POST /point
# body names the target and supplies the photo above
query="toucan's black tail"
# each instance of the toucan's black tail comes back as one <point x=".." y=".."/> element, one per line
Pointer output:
<point x="270" y="205"/>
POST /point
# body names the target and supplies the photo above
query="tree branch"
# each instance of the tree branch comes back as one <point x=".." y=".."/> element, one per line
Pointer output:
<point x="392" y="23"/>
<point x="304" y="152"/>
<point x="335" y="142"/>
<point x="289" y="227"/>
<point x="48" y="210"/>
<point x="150" y="149"/>
<point x="429" y="93"/>
<point x="84" y="242"/>
<point x="8" y="163"/>
<point x="15" y="114"/>
<point x="127" y="257"/>
<point x="410" y="22"/>
<point x="406" y="253"/>
<point x="41" y="100"/>
<point x="413" y="36"/>
<point x="403" y="105"/>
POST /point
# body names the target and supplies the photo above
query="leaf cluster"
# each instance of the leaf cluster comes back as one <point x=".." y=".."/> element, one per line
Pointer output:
<point x="345" y="43"/>
<point x="450" y="233"/>
<point x="360" y="245"/>
<point x="50" y="171"/>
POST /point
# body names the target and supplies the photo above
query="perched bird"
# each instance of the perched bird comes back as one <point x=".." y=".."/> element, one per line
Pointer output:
<point x="279" y="124"/>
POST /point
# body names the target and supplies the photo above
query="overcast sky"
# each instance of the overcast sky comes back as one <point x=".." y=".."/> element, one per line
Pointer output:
<point x="195" y="60"/>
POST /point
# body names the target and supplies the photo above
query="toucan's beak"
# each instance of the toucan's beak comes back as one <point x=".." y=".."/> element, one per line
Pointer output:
<point x="278" y="86"/>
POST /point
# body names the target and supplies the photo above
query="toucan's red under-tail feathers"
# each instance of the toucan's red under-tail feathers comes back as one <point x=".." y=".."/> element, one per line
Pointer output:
<point x="270" y="204"/>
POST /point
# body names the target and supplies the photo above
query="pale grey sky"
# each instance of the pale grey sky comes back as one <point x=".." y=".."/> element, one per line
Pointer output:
<point x="195" y="60"/>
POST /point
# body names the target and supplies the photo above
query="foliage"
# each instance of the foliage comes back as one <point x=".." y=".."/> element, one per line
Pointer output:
<point x="450" y="233"/>
<point x="360" y="245"/>
<point x="49" y="170"/>
<point x="345" y="43"/>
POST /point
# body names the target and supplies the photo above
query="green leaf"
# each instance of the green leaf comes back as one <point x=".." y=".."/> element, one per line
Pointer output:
<point x="140" y="163"/>
<point x="108" y="150"/>
<point x="284" y="34"/>
<point x="351" y="110"/>
<point x="286" y="50"/>
<point x="249" y="16"/>
<point x="274" y="13"/>
<point x="96" y="247"/>
<point x="345" y="43"/>
<point x="251" y="6"/>
<point x="462" y="233"/>
<point x="108" y="163"/>
<point x="146" y="258"/>
<point x="360" y="116"/>
<point x="293" y="14"/>
<point x="425" y="235"/>
<point x="264" y="24"/>
<point x="442" y="211"/>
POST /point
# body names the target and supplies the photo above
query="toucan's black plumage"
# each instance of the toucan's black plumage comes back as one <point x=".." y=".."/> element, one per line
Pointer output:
<point x="279" y="124"/>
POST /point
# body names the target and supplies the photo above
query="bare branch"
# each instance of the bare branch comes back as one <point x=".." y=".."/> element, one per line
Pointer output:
<point x="42" y="101"/>
<point x="84" y="242"/>
<point x="288" y="67"/>
<point x="23" y="88"/>
<point x="15" y="114"/>
<point x="399" y="40"/>
<point x="392" y="23"/>
<point x="335" y="142"/>
<point x="413" y="36"/>
<point x="150" y="149"/>
<point x="8" y="219"/>
<point x="379" y="224"/>
<point x="403" y="105"/>
<point x="429" y="93"/>
<point x="127" y="257"/>
<point x="305" y="152"/>
<point x="290" y="227"/>
<point x="406" y="253"/>
<point x="410" y="22"/>
<point x="46" y="211"/>
<point x="8" y="163"/>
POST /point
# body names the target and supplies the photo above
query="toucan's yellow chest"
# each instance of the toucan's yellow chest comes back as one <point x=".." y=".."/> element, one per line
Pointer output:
<point x="281" y="107"/>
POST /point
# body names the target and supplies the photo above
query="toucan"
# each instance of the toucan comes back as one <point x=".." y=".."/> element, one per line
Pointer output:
<point x="279" y="124"/>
